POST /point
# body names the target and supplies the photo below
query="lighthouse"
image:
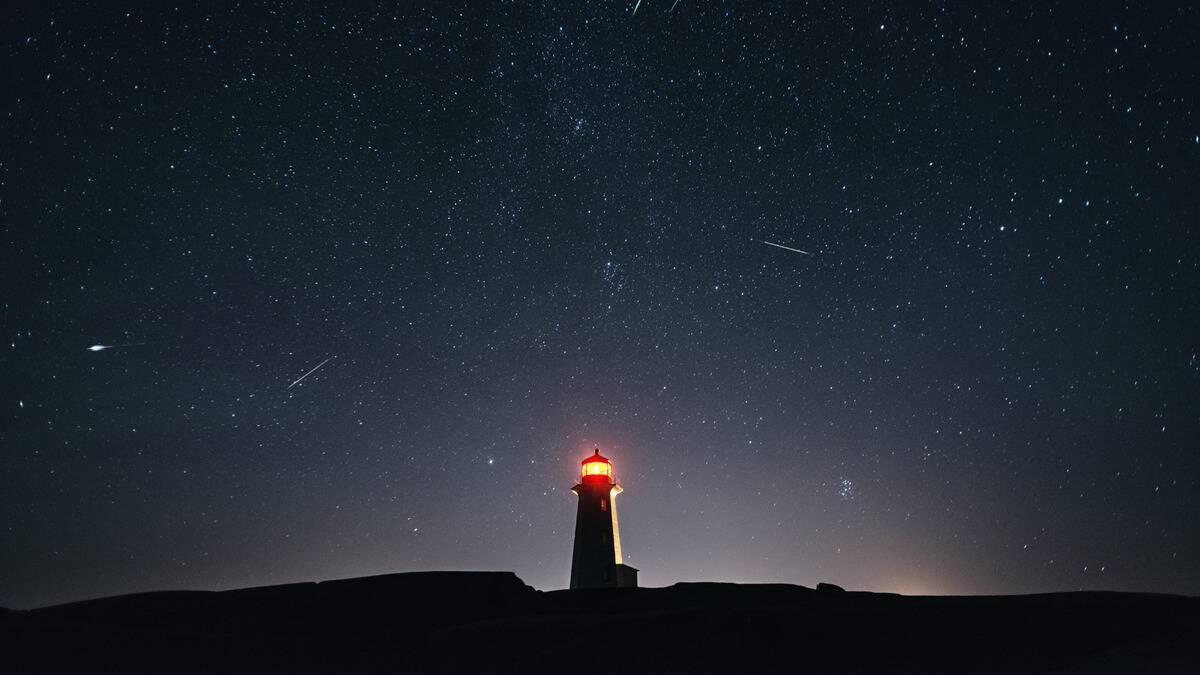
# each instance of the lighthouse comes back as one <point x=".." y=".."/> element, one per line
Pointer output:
<point x="597" y="559"/>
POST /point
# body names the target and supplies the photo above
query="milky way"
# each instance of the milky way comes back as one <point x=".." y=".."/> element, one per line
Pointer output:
<point x="530" y="229"/>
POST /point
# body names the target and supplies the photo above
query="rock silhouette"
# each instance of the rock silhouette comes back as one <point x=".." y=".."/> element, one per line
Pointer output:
<point x="448" y="622"/>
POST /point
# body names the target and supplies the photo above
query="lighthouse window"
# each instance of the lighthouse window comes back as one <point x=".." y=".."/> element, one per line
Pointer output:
<point x="597" y="469"/>
<point x="603" y="504"/>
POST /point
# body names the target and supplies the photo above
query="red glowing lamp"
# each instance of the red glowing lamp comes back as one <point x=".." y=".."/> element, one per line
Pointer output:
<point x="597" y="467"/>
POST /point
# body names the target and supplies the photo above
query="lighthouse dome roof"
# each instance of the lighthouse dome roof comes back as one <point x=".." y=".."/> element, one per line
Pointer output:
<point x="597" y="457"/>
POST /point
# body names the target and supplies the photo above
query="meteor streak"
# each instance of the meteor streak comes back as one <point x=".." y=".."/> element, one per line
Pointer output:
<point x="786" y="248"/>
<point x="310" y="372"/>
<point x="100" y="348"/>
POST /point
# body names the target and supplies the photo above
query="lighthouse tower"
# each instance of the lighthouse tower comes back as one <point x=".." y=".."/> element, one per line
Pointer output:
<point x="597" y="560"/>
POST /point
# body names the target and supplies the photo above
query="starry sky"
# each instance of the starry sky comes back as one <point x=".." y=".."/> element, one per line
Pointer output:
<point x="516" y="231"/>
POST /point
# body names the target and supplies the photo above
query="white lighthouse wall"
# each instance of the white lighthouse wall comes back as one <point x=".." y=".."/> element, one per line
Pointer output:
<point x="616" y="532"/>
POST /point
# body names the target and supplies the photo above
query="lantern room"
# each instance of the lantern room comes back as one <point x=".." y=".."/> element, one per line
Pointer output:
<point x="597" y="467"/>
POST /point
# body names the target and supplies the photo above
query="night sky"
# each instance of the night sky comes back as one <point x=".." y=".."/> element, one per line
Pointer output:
<point x="517" y="231"/>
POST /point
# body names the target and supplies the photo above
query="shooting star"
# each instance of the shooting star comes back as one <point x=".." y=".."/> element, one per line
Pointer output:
<point x="100" y="348"/>
<point x="635" y="7"/>
<point x="786" y="248"/>
<point x="310" y="372"/>
<point x="673" y="6"/>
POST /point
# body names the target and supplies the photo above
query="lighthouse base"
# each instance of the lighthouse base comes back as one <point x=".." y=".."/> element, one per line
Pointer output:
<point x="611" y="576"/>
<point x="625" y="576"/>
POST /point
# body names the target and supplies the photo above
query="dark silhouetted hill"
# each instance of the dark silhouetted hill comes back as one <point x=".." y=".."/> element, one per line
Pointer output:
<point x="448" y="622"/>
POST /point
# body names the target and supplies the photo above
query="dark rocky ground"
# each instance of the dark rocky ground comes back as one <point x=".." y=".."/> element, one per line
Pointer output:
<point x="492" y="622"/>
